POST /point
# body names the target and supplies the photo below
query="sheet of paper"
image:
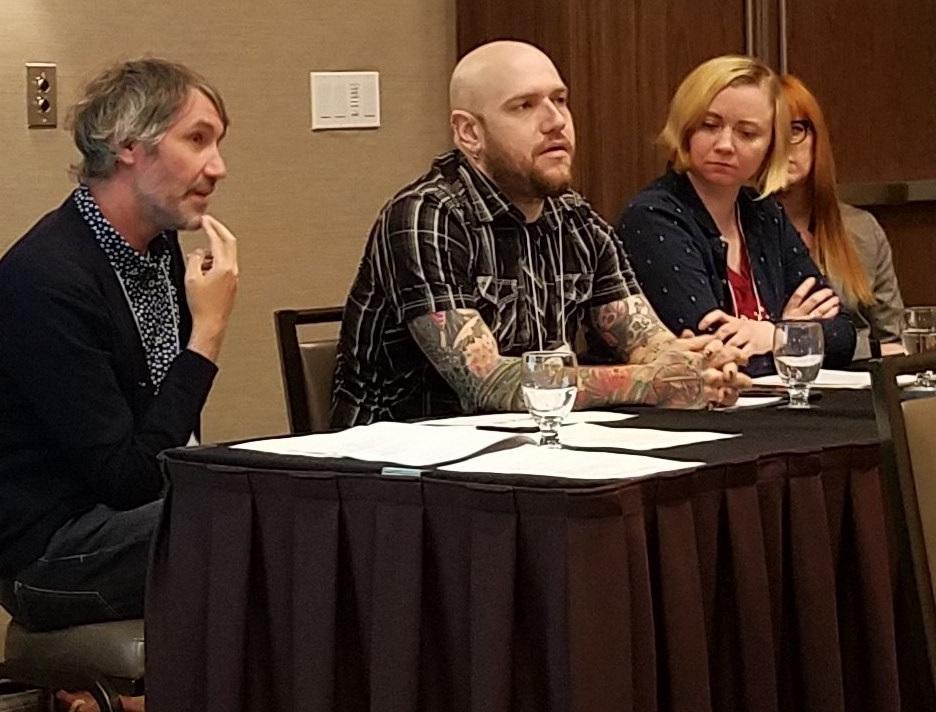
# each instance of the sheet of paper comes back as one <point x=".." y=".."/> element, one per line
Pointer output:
<point x="522" y="420"/>
<point x="576" y="464"/>
<point x="598" y="436"/>
<point x="753" y="402"/>
<point x="829" y="378"/>
<point x="400" y="443"/>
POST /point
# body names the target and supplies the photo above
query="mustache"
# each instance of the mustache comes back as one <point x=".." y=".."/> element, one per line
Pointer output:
<point x="555" y="143"/>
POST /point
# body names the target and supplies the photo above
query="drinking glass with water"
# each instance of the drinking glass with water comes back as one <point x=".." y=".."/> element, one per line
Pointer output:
<point x="549" y="380"/>
<point x="918" y="335"/>
<point x="798" y="349"/>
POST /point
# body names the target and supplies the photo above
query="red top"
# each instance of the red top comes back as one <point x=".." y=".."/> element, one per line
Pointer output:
<point x="742" y="289"/>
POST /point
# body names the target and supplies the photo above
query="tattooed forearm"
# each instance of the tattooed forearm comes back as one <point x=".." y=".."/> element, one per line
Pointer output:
<point x="672" y="381"/>
<point x="631" y="328"/>
<point x="464" y="351"/>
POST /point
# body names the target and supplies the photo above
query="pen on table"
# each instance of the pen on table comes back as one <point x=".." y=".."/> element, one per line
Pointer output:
<point x="776" y="392"/>
<point x="764" y="391"/>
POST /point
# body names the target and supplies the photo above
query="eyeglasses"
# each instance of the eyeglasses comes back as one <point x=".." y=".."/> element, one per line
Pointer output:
<point x="799" y="130"/>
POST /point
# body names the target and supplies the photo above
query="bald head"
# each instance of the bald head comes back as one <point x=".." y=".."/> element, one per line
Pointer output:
<point x="487" y="75"/>
<point x="511" y="120"/>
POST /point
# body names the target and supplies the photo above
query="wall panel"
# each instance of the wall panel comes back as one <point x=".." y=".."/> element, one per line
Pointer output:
<point x="872" y="66"/>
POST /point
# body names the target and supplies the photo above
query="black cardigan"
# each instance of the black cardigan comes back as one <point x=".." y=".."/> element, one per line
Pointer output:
<point x="80" y="424"/>
<point x="680" y="261"/>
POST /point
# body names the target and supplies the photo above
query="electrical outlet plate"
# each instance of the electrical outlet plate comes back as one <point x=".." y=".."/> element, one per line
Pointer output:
<point x="41" y="95"/>
<point x="345" y="100"/>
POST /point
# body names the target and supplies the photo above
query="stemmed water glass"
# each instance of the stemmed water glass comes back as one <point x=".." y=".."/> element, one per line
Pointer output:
<point x="549" y="380"/>
<point x="918" y="335"/>
<point x="798" y="349"/>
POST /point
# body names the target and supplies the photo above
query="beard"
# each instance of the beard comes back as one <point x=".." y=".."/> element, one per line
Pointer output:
<point x="173" y="217"/>
<point x="531" y="183"/>
<point x="168" y="212"/>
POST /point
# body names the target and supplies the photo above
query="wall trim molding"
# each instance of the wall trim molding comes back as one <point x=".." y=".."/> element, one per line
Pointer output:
<point x="888" y="193"/>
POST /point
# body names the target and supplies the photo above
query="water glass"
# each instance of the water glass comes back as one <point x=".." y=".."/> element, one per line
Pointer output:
<point x="918" y="335"/>
<point x="549" y="381"/>
<point x="798" y="349"/>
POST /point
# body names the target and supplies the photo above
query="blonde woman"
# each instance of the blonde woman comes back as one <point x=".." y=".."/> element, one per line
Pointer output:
<point x="711" y="251"/>
<point x="847" y="244"/>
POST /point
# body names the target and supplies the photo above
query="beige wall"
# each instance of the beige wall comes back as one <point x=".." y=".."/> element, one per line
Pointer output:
<point x="300" y="203"/>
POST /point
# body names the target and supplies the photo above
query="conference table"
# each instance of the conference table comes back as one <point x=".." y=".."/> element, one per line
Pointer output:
<point x="765" y="580"/>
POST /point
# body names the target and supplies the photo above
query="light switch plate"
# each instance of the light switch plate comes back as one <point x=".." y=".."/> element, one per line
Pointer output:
<point x="345" y="100"/>
<point x="41" y="95"/>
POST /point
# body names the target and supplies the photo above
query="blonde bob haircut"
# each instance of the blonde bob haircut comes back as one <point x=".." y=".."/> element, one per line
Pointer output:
<point x="695" y="95"/>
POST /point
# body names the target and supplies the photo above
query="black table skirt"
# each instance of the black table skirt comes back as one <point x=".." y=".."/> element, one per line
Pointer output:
<point x="767" y="584"/>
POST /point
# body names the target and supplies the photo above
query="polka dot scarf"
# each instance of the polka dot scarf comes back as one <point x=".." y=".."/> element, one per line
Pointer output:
<point x="146" y="282"/>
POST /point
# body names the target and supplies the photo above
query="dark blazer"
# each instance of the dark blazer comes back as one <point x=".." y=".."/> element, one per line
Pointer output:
<point x="682" y="264"/>
<point x="80" y="423"/>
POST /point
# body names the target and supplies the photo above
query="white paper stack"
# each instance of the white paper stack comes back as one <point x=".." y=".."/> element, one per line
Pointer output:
<point x="420" y="445"/>
<point x="829" y="378"/>
<point x="598" y="436"/>
<point x="402" y="443"/>
<point x="575" y="464"/>
<point x="522" y="420"/>
<point x="752" y="402"/>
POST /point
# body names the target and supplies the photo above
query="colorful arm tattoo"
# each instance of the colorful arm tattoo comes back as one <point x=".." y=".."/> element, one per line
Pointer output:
<point x="655" y="374"/>
<point x="671" y="380"/>
<point x="632" y="329"/>
<point x="464" y="351"/>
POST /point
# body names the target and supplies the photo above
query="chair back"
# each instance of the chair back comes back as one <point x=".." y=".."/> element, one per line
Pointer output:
<point x="919" y="417"/>
<point x="307" y="367"/>
<point x="907" y="427"/>
<point x="318" y="368"/>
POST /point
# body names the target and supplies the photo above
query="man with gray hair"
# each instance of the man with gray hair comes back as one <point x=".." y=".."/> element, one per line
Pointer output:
<point x="109" y="345"/>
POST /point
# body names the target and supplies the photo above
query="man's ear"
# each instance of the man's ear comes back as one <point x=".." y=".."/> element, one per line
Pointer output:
<point x="128" y="153"/>
<point x="467" y="133"/>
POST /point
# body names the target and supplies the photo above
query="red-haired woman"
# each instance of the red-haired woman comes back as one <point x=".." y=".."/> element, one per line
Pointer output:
<point x="847" y="244"/>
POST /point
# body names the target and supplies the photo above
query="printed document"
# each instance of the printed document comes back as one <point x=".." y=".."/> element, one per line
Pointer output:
<point x="575" y="464"/>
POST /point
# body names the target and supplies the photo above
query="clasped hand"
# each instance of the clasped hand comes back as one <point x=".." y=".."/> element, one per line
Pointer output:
<point x="756" y="337"/>
<point x="714" y="363"/>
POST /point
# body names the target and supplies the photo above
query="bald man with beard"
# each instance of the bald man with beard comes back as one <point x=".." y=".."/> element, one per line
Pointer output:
<point x="491" y="254"/>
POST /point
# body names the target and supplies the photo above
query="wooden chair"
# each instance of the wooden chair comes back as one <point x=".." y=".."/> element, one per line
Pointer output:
<point x="908" y="431"/>
<point x="307" y="367"/>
